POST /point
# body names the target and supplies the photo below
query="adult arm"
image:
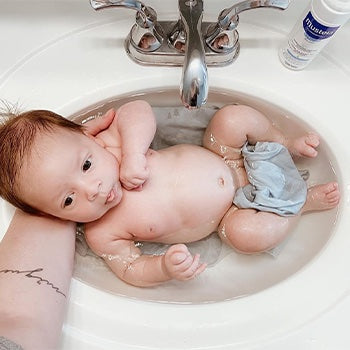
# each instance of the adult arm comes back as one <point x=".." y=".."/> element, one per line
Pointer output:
<point x="36" y="264"/>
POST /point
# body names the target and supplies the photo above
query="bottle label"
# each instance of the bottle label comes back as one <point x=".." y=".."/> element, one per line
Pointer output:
<point x="315" y="30"/>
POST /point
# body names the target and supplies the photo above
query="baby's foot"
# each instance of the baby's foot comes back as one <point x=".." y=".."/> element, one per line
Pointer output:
<point x="322" y="197"/>
<point x="305" y="146"/>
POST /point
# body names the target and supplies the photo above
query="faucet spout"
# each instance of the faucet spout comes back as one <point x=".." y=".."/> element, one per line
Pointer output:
<point x="194" y="82"/>
<point x="187" y="42"/>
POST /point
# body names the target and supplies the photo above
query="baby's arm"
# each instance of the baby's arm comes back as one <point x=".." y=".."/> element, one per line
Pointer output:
<point x="126" y="261"/>
<point x="131" y="131"/>
<point x="137" y="126"/>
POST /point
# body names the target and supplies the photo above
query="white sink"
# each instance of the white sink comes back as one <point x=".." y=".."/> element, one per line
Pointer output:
<point x="81" y="66"/>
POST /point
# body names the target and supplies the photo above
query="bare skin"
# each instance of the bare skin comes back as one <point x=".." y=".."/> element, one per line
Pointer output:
<point x="176" y="195"/>
<point x="248" y="230"/>
<point x="36" y="266"/>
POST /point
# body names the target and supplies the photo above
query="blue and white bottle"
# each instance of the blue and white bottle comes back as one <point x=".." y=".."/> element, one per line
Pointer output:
<point x="321" y="19"/>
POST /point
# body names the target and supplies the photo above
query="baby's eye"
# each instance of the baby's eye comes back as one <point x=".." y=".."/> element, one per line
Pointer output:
<point x="68" y="201"/>
<point x="87" y="165"/>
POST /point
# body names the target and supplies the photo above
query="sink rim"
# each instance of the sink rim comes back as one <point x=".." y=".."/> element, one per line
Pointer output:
<point x="287" y="305"/>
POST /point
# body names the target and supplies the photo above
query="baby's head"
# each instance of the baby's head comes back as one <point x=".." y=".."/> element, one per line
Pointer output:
<point x="50" y="166"/>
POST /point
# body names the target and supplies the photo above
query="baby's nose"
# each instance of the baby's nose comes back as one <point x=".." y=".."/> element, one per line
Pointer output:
<point x="93" y="190"/>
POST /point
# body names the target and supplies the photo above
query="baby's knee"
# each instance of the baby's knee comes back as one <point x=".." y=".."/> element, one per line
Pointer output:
<point x="241" y="230"/>
<point x="233" y="112"/>
<point x="239" y="111"/>
<point x="233" y="230"/>
<point x="242" y="240"/>
<point x="240" y="117"/>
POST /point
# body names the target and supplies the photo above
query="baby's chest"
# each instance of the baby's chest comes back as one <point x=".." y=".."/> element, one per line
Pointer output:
<point x="142" y="220"/>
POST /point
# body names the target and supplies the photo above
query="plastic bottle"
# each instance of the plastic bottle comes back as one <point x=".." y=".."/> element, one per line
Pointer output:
<point x="313" y="31"/>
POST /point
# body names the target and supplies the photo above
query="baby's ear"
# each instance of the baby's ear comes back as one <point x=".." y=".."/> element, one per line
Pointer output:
<point x="96" y="139"/>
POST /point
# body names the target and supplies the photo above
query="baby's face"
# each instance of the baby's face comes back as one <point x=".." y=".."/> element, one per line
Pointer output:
<point x="71" y="177"/>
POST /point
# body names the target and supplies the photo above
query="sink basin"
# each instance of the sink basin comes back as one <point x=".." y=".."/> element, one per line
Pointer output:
<point x="237" y="274"/>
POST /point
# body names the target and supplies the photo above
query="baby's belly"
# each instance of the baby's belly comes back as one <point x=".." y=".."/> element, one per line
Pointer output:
<point x="189" y="191"/>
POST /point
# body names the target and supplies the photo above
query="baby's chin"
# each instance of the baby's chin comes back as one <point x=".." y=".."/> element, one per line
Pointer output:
<point x="85" y="218"/>
<point x="95" y="217"/>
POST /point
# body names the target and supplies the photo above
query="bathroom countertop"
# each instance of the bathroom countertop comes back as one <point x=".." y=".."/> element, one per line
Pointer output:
<point x="30" y="28"/>
<point x="44" y="21"/>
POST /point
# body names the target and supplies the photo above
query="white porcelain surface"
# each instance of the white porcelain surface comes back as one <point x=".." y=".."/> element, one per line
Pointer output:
<point x="63" y="56"/>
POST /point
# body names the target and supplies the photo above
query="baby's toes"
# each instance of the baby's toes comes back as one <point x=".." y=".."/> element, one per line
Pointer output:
<point x="307" y="144"/>
<point x="331" y="187"/>
<point x="310" y="142"/>
<point x="308" y="151"/>
<point x="333" y="193"/>
<point x="312" y="139"/>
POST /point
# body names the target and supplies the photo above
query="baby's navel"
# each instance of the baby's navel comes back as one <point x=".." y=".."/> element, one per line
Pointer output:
<point x="221" y="182"/>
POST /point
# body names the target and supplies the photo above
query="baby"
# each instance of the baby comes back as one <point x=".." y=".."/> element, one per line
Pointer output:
<point x="126" y="192"/>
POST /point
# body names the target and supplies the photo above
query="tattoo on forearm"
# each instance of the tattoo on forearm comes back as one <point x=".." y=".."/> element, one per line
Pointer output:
<point x="39" y="280"/>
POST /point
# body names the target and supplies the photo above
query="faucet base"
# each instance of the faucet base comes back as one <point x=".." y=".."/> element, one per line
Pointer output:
<point x="168" y="55"/>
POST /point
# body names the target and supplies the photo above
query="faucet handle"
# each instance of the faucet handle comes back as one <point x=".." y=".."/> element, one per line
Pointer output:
<point x="222" y="36"/>
<point x="146" y="34"/>
<point x="228" y="15"/>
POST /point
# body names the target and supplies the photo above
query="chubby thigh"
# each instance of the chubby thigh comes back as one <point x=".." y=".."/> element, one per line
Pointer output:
<point x="253" y="231"/>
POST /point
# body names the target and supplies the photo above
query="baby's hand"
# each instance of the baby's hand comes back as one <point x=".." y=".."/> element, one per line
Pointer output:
<point x="181" y="265"/>
<point x="133" y="170"/>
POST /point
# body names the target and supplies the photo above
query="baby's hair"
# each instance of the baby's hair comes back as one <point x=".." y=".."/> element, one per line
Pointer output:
<point x="18" y="133"/>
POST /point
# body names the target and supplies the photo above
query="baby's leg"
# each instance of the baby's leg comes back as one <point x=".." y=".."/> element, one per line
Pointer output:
<point x="234" y="125"/>
<point x="253" y="231"/>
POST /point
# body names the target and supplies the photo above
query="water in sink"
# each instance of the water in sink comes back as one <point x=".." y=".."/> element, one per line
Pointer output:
<point x="229" y="275"/>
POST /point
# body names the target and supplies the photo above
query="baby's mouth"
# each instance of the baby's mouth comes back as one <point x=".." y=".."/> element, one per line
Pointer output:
<point x="111" y="196"/>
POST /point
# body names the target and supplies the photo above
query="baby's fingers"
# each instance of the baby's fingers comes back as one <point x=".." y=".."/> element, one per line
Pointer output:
<point x="94" y="126"/>
<point x="200" y="269"/>
<point x="131" y="184"/>
<point x="196" y="267"/>
<point x="191" y="267"/>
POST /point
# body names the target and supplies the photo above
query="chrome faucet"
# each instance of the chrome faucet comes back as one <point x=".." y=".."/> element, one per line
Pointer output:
<point x="194" y="82"/>
<point x="187" y="42"/>
<point x="222" y="36"/>
<point x="146" y="32"/>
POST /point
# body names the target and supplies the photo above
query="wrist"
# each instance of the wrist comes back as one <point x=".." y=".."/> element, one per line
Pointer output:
<point x="132" y="154"/>
<point x="164" y="268"/>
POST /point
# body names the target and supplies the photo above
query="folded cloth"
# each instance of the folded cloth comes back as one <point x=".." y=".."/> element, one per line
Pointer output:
<point x="7" y="344"/>
<point x="275" y="183"/>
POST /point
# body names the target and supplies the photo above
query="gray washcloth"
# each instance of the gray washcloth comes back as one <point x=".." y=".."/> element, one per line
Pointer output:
<point x="7" y="344"/>
<point x="275" y="183"/>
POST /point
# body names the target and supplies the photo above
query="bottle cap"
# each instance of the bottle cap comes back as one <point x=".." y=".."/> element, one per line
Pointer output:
<point x="342" y="6"/>
<point x="331" y="12"/>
